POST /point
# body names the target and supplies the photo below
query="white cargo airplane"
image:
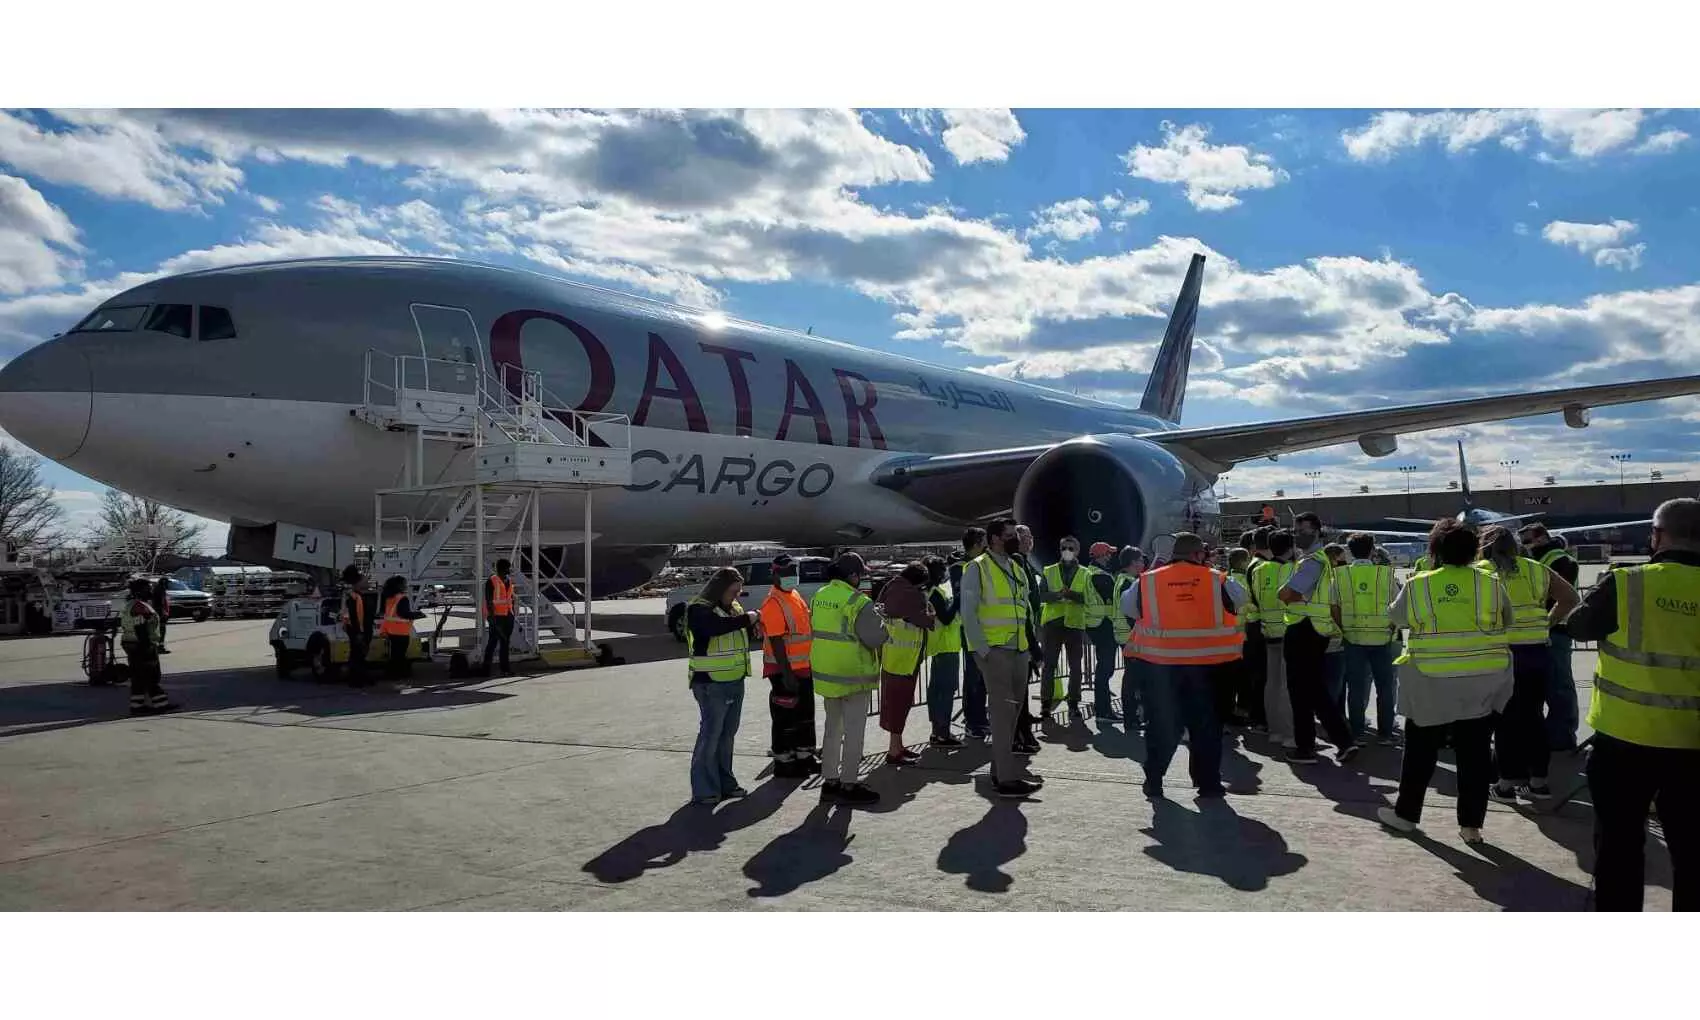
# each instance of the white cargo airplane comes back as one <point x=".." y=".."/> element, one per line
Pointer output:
<point x="229" y="393"/>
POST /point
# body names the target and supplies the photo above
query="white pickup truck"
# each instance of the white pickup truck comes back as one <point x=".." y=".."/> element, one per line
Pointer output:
<point x="758" y="581"/>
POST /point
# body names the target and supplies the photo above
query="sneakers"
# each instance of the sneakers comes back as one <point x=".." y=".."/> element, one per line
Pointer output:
<point x="1390" y="818"/>
<point x="850" y="794"/>
<point x="1505" y="793"/>
<point x="1298" y="757"/>
<point x="1536" y="789"/>
<point x="1029" y="748"/>
<point x="735" y="793"/>
<point x="903" y="757"/>
<point x="945" y="740"/>
<point x="1015" y="789"/>
<point x="1348" y="754"/>
<point x="1388" y="739"/>
<point x="1471" y="836"/>
<point x="979" y="734"/>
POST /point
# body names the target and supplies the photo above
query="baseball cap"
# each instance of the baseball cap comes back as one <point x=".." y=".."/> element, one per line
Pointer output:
<point x="851" y="563"/>
<point x="1101" y="549"/>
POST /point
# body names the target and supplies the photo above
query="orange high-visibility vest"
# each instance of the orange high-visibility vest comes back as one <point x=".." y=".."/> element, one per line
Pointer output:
<point x="395" y="625"/>
<point x="798" y="634"/>
<point x="501" y="596"/>
<point x="1182" y="621"/>
<point x="359" y="621"/>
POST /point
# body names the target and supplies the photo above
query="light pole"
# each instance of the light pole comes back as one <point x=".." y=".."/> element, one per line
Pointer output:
<point x="1620" y="459"/>
<point x="1313" y="476"/>
<point x="1407" y="470"/>
<point x="1508" y="465"/>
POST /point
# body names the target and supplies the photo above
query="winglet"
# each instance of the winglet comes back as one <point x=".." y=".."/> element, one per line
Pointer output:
<point x="1166" y="390"/>
<point x="1464" y="476"/>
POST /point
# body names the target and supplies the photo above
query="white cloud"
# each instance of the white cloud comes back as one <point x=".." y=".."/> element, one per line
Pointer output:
<point x="36" y="239"/>
<point x="112" y="156"/>
<point x="1213" y="174"/>
<point x="1664" y="141"/>
<point x="1520" y="229"/>
<point x="267" y="203"/>
<point x="973" y="136"/>
<point x="1580" y="133"/>
<point x="1599" y="240"/>
<point x="1067" y="221"/>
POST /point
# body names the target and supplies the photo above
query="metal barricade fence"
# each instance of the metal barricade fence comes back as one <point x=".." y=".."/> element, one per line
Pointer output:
<point x="1088" y="683"/>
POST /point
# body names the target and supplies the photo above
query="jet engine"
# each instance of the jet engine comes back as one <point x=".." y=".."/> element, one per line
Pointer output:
<point x="1105" y="488"/>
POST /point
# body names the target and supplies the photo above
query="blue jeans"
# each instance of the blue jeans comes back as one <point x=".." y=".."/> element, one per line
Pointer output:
<point x="1177" y="698"/>
<point x="1562" y="713"/>
<point x="1334" y="676"/>
<point x="941" y="690"/>
<point x="1365" y="663"/>
<point x="720" y="706"/>
<point x="1104" y="649"/>
<point x="974" y="715"/>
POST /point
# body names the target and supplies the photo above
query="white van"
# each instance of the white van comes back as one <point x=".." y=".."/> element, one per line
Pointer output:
<point x="758" y="581"/>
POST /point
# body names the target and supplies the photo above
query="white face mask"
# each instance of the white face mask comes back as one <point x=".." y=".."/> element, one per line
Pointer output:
<point x="1068" y="555"/>
<point x="787" y="584"/>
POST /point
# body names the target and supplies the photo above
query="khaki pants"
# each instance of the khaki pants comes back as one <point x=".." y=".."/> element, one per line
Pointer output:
<point x="1005" y="673"/>
<point x="1276" y="705"/>
<point x="841" y="740"/>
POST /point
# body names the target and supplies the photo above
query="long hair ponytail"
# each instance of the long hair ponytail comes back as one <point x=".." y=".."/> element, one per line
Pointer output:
<point x="1499" y="546"/>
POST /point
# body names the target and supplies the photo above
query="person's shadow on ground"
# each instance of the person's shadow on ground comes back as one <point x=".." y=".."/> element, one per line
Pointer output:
<point x="812" y="851"/>
<point x="979" y="851"/>
<point x="1503" y="878"/>
<point x="1216" y="840"/>
<point x="691" y="829"/>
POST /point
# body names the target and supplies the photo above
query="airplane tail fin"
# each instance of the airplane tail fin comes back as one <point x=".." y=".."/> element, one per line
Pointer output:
<point x="1166" y="390"/>
<point x="1464" y="476"/>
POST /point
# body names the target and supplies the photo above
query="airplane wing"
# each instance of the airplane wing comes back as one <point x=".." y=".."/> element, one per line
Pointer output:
<point x="1576" y="529"/>
<point x="1226" y="445"/>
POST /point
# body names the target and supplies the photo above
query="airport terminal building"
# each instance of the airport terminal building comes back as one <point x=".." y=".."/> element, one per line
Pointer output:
<point x="1560" y="506"/>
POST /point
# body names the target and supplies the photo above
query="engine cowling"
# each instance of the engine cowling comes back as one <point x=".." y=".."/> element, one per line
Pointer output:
<point x="1108" y="488"/>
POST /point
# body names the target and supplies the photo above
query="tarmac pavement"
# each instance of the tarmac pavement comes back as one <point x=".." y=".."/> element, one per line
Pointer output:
<point x="570" y="791"/>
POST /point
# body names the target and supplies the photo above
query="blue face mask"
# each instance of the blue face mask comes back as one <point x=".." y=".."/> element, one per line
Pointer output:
<point x="787" y="584"/>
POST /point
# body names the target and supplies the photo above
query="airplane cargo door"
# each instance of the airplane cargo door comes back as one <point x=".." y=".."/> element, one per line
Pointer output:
<point x="448" y="333"/>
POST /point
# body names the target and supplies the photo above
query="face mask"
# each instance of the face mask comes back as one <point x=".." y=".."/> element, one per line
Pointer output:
<point x="1068" y="555"/>
<point x="787" y="584"/>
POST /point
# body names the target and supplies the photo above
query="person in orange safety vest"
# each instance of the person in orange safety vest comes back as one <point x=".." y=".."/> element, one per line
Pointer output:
<point x="499" y="616"/>
<point x="785" y="662"/>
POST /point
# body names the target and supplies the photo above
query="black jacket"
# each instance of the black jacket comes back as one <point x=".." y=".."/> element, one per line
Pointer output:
<point x="1565" y="566"/>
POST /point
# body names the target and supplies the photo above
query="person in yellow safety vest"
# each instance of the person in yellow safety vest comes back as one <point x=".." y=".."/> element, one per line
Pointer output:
<point x="1367" y="587"/>
<point x="996" y="611"/>
<point x="975" y="717"/>
<point x="1101" y="605"/>
<point x="1062" y="625"/>
<point x="844" y="660"/>
<point x="139" y="636"/>
<point x="1563" y="718"/>
<point x="1334" y="660"/>
<point x="1235" y="684"/>
<point x="356" y="620"/>
<point x="1454" y="676"/>
<point x="1309" y="602"/>
<point x="396" y="628"/>
<point x="786" y="640"/>
<point x="499" y="616"/>
<point x="1256" y="651"/>
<point x="944" y="652"/>
<point x="1267" y="580"/>
<point x="719" y="634"/>
<point x="1645" y="712"/>
<point x="1026" y="743"/>
<point x="909" y="622"/>
<point x="1520" y="735"/>
<point x="1130" y="563"/>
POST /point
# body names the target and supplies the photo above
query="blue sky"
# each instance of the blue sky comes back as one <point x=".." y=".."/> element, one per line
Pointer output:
<point x="1358" y="257"/>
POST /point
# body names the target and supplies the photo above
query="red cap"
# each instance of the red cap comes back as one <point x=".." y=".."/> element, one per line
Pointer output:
<point x="1101" y="549"/>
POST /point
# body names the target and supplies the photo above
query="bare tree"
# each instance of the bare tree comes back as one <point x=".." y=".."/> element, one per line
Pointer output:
<point x="30" y="513"/>
<point x="123" y="520"/>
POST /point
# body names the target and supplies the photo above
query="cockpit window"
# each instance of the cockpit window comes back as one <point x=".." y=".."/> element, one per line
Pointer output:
<point x="178" y="320"/>
<point x="118" y="319"/>
<point x="216" y="324"/>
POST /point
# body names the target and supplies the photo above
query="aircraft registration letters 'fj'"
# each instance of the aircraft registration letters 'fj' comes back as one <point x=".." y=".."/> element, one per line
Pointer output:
<point x="228" y="392"/>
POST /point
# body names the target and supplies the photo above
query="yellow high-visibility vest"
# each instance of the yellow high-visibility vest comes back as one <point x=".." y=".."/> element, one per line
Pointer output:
<point x="945" y="638"/>
<point x="1072" y="614"/>
<point x="1455" y="623"/>
<point x="1003" y="608"/>
<point x="1123" y="626"/>
<point x="1366" y="590"/>
<point x="1318" y="607"/>
<point x="1269" y="578"/>
<point x="1647" y="682"/>
<point x="725" y="658"/>
<point x="901" y="655"/>
<point x="1528" y="591"/>
<point x="840" y="664"/>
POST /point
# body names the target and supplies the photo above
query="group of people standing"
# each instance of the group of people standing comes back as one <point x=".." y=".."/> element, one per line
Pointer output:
<point x="1293" y="634"/>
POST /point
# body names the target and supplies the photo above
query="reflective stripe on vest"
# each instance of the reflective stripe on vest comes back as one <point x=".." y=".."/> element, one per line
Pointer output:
<point x="1124" y="626"/>
<point x="130" y="623"/>
<point x="901" y="655"/>
<point x="1528" y="591"/>
<point x="1647" y="682"/>
<point x="1455" y="624"/>
<point x="1097" y="608"/>
<point x="1182" y="621"/>
<point x="501" y="596"/>
<point x="1421" y="564"/>
<point x="726" y="657"/>
<point x="797" y="636"/>
<point x="1072" y="614"/>
<point x="945" y="638"/>
<point x="840" y="664"/>
<point x="1366" y="590"/>
<point x="394" y="624"/>
<point x="1317" y="607"/>
<point x="1003" y="606"/>
<point x="1268" y="579"/>
<point x="1248" y="612"/>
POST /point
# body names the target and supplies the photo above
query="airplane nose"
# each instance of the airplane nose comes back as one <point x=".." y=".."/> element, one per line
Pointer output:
<point x="47" y="399"/>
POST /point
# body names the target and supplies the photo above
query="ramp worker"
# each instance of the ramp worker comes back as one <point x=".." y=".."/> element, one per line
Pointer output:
<point x="396" y="628"/>
<point x="1101" y="606"/>
<point x="1454" y="677"/>
<point x="785" y="663"/>
<point x="1367" y="588"/>
<point x="909" y="623"/>
<point x="1131" y="563"/>
<point x="1553" y="553"/>
<point x="944" y="645"/>
<point x="996" y="618"/>
<point x="1309" y="600"/>
<point x="717" y="634"/>
<point x="974" y="717"/>
<point x="356" y="622"/>
<point x="1026" y="743"/>
<point x="1187" y="635"/>
<point x="1645" y="712"/>
<point x="139" y="635"/>
<point x="499" y="616"/>
<point x="844" y="661"/>
<point x="1062" y="620"/>
<point x="1267" y="580"/>
<point x="1233" y="686"/>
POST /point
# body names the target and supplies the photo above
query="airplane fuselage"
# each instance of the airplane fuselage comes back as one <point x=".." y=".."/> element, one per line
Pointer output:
<point x="739" y="431"/>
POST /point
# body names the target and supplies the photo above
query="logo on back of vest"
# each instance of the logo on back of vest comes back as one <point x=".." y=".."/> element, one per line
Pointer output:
<point x="1687" y="607"/>
<point x="1451" y="591"/>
